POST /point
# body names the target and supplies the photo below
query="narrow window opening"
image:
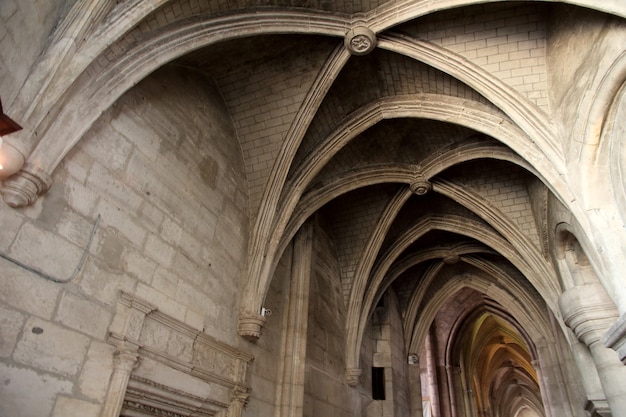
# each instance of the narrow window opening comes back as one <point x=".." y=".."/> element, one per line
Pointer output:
<point x="378" y="383"/>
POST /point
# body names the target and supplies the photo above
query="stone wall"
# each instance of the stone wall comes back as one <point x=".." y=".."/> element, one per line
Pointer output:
<point x="163" y="171"/>
<point x="24" y="30"/>
<point x="578" y="64"/>
<point x="325" y="392"/>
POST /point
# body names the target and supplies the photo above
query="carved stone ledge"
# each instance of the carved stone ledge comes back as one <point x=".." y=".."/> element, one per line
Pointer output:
<point x="360" y="40"/>
<point x="23" y="188"/>
<point x="353" y="376"/>
<point x="250" y="326"/>
<point x="615" y="338"/>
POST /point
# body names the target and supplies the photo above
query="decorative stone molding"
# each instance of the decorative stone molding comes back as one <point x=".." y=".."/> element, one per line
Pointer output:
<point x="250" y="326"/>
<point x="360" y="40"/>
<point x="23" y="188"/>
<point x="162" y="364"/>
<point x="615" y="338"/>
<point x="353" y="376"/>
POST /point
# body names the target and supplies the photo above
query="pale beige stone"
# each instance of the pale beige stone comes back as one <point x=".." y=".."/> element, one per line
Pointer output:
<point x="20" y="387"/>
<point x="95" y="373"/>
<point x="11" y="323"/>
<point x="83" y="315"/>
<point x="66" y="406"/>
<point x="50" y="347"/>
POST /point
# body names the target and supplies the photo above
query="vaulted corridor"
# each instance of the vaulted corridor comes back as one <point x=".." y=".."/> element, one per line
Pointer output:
<point x="313" y="208"/>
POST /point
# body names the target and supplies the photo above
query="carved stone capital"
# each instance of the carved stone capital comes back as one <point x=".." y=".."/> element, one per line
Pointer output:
<point x="588" y="311"/>
<point x="360" y="40"/>
<point x="126" y="360"/>
<point x="250" y="326"/>
<point x="615" y="338"/>
<point x="240" y="394"/>
<point x="353" y="376"/>
<point x="23" y="188"/>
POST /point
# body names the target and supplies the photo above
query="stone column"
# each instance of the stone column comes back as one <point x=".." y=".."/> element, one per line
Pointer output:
<point x="589" y="312"/>
<point x="470" y="403"/>
<point x="415" y="389"/>
<point x="456" y="391"/>
<point x="124" y="362"/>
<point x="291" y="391"/>
<point x="433" y="386"/>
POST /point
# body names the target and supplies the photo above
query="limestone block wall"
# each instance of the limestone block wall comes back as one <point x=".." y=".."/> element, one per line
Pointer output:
<point x="510" y="43"/>
<point x="163" y="171"/>
<point x="24" y="30"/>
<point x="325" y="392"/>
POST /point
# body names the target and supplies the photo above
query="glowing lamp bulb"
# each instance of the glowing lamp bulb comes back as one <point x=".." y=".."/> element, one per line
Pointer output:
<point x="11" y="160"/>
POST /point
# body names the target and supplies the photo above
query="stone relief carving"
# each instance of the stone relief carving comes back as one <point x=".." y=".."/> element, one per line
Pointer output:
<point x="176" y="370"/>
<point x="360" y="40"/>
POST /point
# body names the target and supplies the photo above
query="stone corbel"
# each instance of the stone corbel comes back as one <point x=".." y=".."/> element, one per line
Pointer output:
<point x="615" y="338"/>
<point x="250" y="326"/>
<point x="23" y="188"/>
<point x="588" y="311"/>
<point x="353" y="376"/>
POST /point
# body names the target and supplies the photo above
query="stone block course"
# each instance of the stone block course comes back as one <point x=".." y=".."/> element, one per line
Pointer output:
<point x="50" y="347"/>
<point x="20" y="386"/>
<point x="27" y="292"/>
<point x="11" y="323"/>
<point x="67" y="406"/>
<point x="96" y="370"/>
<point x="83" y="315"/>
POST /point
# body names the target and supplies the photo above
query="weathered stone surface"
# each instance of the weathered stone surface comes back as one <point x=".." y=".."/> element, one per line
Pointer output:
<point x="50" y="347"/>
<point x="11" y="323"/>
<point x="66" y="406"/>
<point x="19" y="387"/>
<point x="95" y="373"/>
<point x="83" y="315"/>
<point x="26" y="291"/>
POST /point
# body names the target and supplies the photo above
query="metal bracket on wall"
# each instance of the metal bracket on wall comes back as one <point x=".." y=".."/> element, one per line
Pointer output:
<point x="49" y="277"/>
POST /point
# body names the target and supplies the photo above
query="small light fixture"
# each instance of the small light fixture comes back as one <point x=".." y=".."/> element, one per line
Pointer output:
<point x="7" y="125"/>
<point x="11" y="160"/>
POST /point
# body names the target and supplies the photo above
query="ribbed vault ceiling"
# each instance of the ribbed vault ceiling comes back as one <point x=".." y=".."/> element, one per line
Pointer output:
<point x="430" y="159"/>
<point x="414" y="189"/>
